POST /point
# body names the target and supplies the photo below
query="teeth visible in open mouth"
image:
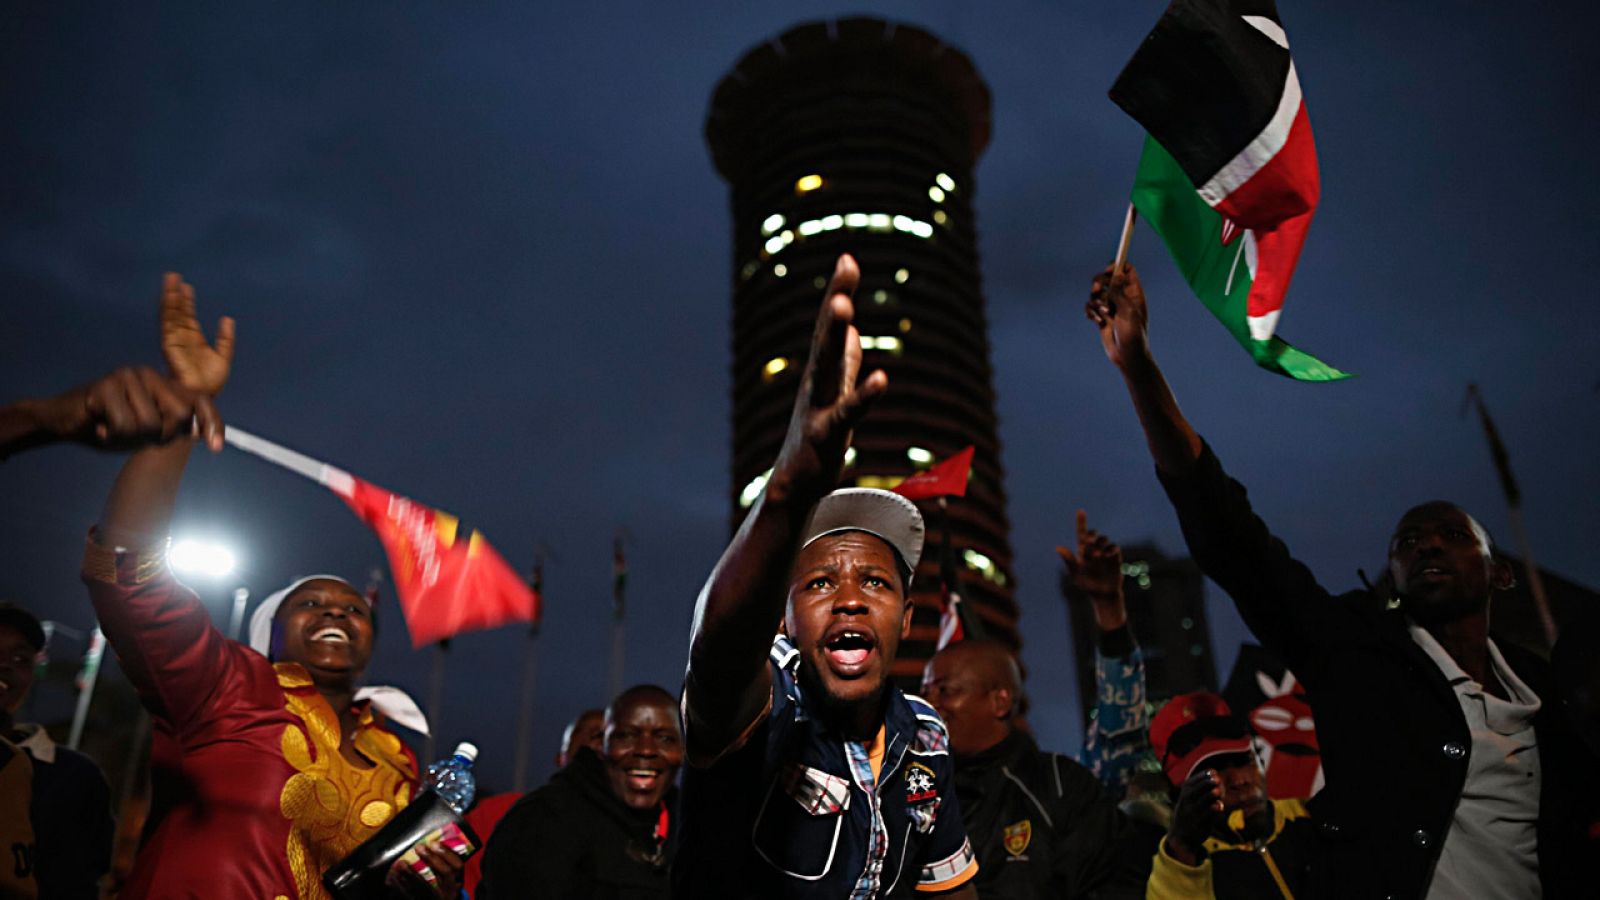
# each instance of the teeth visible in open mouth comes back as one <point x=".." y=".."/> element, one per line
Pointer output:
<point x="850" y="640"/>
<point x="644" y="773"/>
<point x="331" y="635"/>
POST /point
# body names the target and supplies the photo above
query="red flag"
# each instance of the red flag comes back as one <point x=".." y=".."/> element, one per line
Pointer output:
<point x="945" y="479"/>
<point x="447" y="576"/>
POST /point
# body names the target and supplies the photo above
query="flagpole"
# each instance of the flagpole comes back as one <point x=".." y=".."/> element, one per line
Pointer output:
<point x="616" y="656"/>
<point x="91" y="675"/>
<point x="1508" y="484"/>
<point x="530" y="665"/>
<point x="435" y="700"/>
<point x="337" y="480"/>
<point x="1127" y="237"/>
<point x="619" y="586"/>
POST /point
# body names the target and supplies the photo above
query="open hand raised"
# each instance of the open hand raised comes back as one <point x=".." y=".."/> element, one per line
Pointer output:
<point x="196" y="364"/>
<point x="831" y="400"/>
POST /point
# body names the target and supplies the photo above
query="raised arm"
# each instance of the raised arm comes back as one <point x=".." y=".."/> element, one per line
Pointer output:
<point x="1277" y="596"/>
<point x="127" y="408"/>
<point x="738" y="612"/>
<point x="162" y="635"/>
<point x="139" y="509"/>
<point x="1117" y="308"/>
<point x="1118" y="734"/>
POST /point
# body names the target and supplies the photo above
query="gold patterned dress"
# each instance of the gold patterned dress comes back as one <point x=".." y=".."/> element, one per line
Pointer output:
<point x="252" y="796"/>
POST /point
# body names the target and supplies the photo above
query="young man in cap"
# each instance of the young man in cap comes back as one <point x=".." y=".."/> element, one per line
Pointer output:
<point x="1480" y="787"/>
<point x="1227" y="838"/>
<point x="810" y="774"/>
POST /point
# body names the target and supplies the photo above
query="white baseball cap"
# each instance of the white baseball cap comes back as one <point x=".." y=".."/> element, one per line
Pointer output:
<point x="883" y="514"/>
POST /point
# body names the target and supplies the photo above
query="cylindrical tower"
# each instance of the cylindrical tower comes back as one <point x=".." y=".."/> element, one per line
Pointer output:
<point x="860" y="136"/>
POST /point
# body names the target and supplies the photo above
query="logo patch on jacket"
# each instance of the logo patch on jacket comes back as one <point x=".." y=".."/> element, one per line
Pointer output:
<point x="919" y="784"/>
<point x="922" y="797"/>
<point x="1016" y="837"/>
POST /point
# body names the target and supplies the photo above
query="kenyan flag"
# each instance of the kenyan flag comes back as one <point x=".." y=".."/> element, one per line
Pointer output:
<point x="1229" y="173"/>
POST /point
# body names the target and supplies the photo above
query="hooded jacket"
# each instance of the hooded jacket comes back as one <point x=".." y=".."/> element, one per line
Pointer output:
<point x="574" y="839"/>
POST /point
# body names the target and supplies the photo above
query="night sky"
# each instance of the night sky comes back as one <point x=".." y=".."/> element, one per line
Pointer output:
<point x="479" y="255"/>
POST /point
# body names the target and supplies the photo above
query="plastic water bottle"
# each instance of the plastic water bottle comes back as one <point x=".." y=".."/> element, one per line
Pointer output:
<point x="452" y="779"/>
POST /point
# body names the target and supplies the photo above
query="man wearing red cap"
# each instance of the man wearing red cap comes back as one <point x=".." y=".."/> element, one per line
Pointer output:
<point x="1227" y="838"/>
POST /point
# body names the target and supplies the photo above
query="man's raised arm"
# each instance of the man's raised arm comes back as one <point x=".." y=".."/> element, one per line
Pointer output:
<point x="728" y="684"/>
<point x="1117" y="308"/>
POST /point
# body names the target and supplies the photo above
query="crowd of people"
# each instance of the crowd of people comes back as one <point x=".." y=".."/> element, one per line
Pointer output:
<point x="790" y="764"/>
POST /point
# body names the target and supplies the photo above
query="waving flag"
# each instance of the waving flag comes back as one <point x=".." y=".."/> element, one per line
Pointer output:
<point x="1229" y="174"/>
<point x="448" y="578"/>
<point x="944" y="479"/>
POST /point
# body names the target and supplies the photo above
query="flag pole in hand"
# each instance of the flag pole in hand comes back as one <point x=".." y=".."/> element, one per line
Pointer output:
<point x="1127" y="237"/>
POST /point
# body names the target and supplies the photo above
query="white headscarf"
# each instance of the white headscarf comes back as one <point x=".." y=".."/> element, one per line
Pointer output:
<point x="395" y="704"/>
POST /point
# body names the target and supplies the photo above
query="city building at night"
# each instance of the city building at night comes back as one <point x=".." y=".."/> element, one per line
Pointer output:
<point x="861" y="136"/>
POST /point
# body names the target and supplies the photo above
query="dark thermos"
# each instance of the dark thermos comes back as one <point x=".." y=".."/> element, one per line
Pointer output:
<point x="364" y="874"/>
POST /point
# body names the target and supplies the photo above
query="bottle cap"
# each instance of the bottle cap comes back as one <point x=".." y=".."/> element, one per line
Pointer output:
<point x="468" y="750"/>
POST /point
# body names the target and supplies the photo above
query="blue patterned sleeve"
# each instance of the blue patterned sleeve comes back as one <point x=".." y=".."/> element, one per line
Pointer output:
<point x="1119" y="733"/>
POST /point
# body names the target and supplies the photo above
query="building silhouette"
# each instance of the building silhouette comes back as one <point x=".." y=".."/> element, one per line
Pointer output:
<point x="860" y="136"/>
<point x="1167" y="611"/>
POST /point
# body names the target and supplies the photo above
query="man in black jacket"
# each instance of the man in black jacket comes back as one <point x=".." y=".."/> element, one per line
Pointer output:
<point x="603" y="828"/>
<point x="1451" y="769"/>
<point x="1041" y="824"/>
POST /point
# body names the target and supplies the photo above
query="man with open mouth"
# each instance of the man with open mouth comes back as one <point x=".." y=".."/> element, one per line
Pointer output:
<point x="810" y="774"/>
<point x="1453" y="769"/>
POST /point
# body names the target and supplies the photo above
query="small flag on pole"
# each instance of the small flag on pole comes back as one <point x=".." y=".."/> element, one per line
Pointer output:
<point x="1229" y="175"/>
<point x="947" y="478"/>
<point x="619" y="579"/>
<point x="91" y="660"/>
<point x="950" y="629"/>
<point x="448" y="578"/>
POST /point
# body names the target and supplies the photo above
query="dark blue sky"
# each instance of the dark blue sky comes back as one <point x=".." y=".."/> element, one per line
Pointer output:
<point x="480" y="256"/>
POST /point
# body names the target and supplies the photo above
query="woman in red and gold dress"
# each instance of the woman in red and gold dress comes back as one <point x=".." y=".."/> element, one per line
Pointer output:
<point x="266" y="771"/>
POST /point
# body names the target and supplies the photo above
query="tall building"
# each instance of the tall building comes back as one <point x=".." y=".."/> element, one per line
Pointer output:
<point x="860" y="136"/>
<point x="1167" y="610"/>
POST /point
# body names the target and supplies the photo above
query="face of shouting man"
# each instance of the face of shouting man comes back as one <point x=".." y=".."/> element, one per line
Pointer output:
<point x="847" y="613"/>
<point x="326" y="626"/>
<point x="1442" y="564"/>
<point x="642" y="745"/>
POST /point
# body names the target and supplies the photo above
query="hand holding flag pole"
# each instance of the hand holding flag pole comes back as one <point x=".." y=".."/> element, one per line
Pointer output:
<point x="1127" y="237"/>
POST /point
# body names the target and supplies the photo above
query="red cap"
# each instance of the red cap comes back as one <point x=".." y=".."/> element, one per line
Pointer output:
<point x="1219" y="730"/>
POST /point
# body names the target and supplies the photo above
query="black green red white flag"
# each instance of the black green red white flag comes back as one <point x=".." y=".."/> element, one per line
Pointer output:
<point x="1229" y="174"/>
